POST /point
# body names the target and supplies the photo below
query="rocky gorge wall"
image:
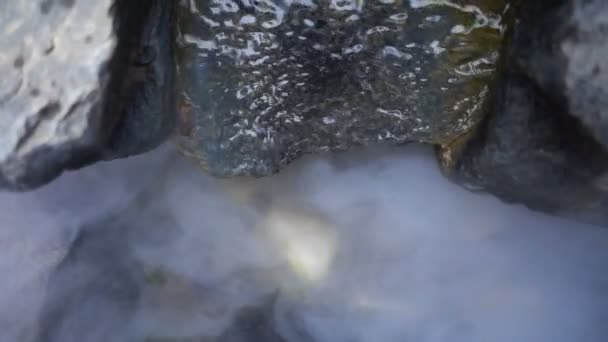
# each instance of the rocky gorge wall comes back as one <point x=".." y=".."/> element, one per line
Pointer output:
<point x="511" y="93"/>
<point x="270" y="230"/>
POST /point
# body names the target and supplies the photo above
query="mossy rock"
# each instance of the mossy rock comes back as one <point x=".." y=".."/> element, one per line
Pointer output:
<point x="262" y="82"/>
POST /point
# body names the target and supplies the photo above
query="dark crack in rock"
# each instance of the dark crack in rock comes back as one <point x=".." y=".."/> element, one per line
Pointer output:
<point x="262" y="82"/>
<point x="72" y="71"/>
<point x="531" y="148"/>
<point x="142" y="94"/>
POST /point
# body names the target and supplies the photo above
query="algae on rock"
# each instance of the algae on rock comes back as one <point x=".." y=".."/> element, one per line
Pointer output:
<point x="262" y="82"/>
<point x="542" y="142"/>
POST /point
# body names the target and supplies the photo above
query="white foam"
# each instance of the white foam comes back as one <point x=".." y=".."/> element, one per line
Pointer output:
<point x="369" y="246"/>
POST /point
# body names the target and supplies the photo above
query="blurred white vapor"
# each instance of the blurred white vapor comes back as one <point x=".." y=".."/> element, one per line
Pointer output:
<point x="368" y="246"/>
<point x="307" y="242"/>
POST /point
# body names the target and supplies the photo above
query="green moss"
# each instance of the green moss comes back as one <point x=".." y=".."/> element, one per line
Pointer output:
<point x="449" y="152"/>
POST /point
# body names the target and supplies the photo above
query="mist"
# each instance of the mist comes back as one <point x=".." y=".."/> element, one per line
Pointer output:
<point x="372" y="245"/>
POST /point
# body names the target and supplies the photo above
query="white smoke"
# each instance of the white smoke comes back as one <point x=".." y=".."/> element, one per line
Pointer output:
<point x="367" y="246"/>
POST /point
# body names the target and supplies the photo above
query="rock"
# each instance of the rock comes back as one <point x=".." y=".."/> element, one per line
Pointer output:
<point x="72" y="72"/>
<point x="254" y="324"/>
<point x="532" y="149"/>
<point x="565" y="54"/>
<point x="144" y="98"/>
<point x="118" y="283"/>
<point x="52" y="60"/>
<point x="262" y="82"/>
<point x="93" y="294"/>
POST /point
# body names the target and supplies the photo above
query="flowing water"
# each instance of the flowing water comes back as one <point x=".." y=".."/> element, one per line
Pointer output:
<point x="367" y="246"/>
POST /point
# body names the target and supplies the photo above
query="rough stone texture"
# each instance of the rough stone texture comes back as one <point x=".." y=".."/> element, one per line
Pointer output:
<point x="565" y="53"/>
<point x="262" y="82"/>
<point x="52" y="55"/>
<point x="531" y="148"/>
<point x="82" y="81"/>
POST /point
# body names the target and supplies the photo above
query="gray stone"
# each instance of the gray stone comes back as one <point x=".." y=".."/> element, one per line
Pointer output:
<point x="94" y="292"/>
<point x="254" y="324"/>
<point x="532" y="149"/>
<point x="52" y="60"/>
<point x="565" y="52"/>
<point x="262" y="82"/>
<point x="108" y="288"/>
<point x="143" y="94"/>
<point x="82" y="81"/>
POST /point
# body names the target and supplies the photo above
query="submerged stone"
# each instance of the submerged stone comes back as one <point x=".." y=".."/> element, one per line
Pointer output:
<point x="94" y="292"/>
<point x="254" y="324"/>
<point x="262" y="82"/>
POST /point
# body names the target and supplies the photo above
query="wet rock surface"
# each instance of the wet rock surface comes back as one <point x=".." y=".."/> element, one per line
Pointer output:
<point x="541" y="143"/>
<point x="141" y="96"/>
<point x="72" y="72"/>
<point x="565" y="53"/>
<point x="262" y="82"/>
<point x="248" y="87"/>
